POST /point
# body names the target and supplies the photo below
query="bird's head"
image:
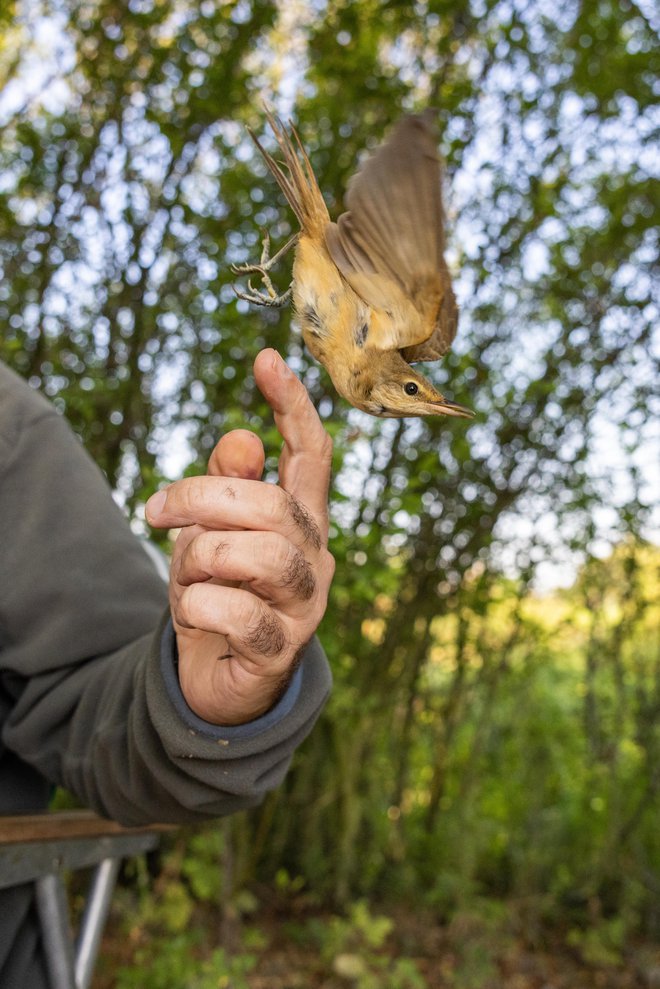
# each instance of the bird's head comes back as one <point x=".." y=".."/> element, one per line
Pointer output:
<point x="394" y="390"/>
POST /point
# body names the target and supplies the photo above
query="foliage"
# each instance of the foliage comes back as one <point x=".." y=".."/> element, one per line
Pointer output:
<point x="350" y="948"/>
<point x="172" y="963"/>
<point x="173" y="925"/>
<point x="548" y="802"/>
<point x="483" y="738"/>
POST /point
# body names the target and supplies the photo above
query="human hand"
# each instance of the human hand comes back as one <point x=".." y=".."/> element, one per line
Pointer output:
<point x="250" y="571"/>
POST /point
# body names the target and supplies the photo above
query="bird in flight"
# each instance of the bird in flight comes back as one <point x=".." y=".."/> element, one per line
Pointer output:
<point x="372" y="291"/>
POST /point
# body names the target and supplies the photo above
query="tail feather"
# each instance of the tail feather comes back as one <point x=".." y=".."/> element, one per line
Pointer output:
<point x="298" y="183"/>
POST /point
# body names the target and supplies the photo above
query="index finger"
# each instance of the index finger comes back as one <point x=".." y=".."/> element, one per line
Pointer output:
<point x="307" y="455"/>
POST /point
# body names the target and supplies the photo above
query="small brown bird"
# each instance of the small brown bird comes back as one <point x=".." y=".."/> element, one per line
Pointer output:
<point x="372" y="292"/>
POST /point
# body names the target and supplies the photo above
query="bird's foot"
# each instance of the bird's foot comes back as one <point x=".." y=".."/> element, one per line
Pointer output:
<point x="269" y="297"/>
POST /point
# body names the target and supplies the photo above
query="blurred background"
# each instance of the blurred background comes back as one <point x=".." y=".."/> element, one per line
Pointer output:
<point x="479" y="805"/>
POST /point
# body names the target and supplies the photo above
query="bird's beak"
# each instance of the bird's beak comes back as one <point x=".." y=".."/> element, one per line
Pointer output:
<point x="445" y="408"/>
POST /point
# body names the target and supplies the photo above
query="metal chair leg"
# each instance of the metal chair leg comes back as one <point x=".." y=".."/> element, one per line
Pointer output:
<point x="53" y="912"/>
<point x="93" y="920"/>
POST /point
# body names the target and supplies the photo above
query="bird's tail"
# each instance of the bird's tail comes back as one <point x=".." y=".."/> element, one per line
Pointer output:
<point x="298" y="183"/>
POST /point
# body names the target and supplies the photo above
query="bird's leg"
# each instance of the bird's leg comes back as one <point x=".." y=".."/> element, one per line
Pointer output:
<point x="270" y="296"/>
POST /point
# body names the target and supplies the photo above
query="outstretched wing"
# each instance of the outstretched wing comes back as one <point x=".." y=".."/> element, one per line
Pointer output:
<point x="389" y="244"/>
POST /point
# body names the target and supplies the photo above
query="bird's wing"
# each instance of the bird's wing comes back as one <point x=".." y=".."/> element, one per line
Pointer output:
<point x="444" y="331"/>
<point x="389" y="243"/>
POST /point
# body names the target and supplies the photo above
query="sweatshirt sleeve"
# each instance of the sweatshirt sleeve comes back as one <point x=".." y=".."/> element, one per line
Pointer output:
<point x="87" y="652"/>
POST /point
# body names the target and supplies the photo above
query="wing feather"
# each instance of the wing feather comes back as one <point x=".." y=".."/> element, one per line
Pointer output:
<point x="389" y="244"/>
<point x="444" y="331"/>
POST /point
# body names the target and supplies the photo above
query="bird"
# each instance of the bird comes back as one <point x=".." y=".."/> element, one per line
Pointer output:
<point x="372" y="292"/>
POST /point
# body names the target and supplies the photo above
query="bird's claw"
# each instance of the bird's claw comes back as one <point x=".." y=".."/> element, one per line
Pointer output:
<point x="257" y="298"/>
<point x="269" y="297"/>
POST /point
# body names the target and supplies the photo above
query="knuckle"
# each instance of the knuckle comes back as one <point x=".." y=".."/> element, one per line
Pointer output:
<point x="218" y="552"/>
<point x="264" y="632"/>
<point x="298" y="575"/>
<point x="278" y="508"/>
<point x="326" y="570"/>
<point x="304" y="522"/>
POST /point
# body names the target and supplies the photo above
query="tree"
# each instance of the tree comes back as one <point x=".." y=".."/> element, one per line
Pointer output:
<point x="131" y="188"/>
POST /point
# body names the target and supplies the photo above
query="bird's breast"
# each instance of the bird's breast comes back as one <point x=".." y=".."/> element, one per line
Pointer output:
<point x="334" y="321"/>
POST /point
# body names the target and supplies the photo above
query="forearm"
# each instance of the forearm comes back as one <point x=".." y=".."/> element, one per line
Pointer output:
<point x="120" y="737"/>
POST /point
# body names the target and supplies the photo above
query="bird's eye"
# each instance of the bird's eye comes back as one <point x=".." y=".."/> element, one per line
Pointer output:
<point x="410" y="388"/>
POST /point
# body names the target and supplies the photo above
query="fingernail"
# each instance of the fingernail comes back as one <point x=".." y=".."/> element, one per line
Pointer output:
<point x="155" y="505"/>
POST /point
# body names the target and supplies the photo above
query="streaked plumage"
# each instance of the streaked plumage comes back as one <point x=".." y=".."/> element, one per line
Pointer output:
<point x="372" y="291"/>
